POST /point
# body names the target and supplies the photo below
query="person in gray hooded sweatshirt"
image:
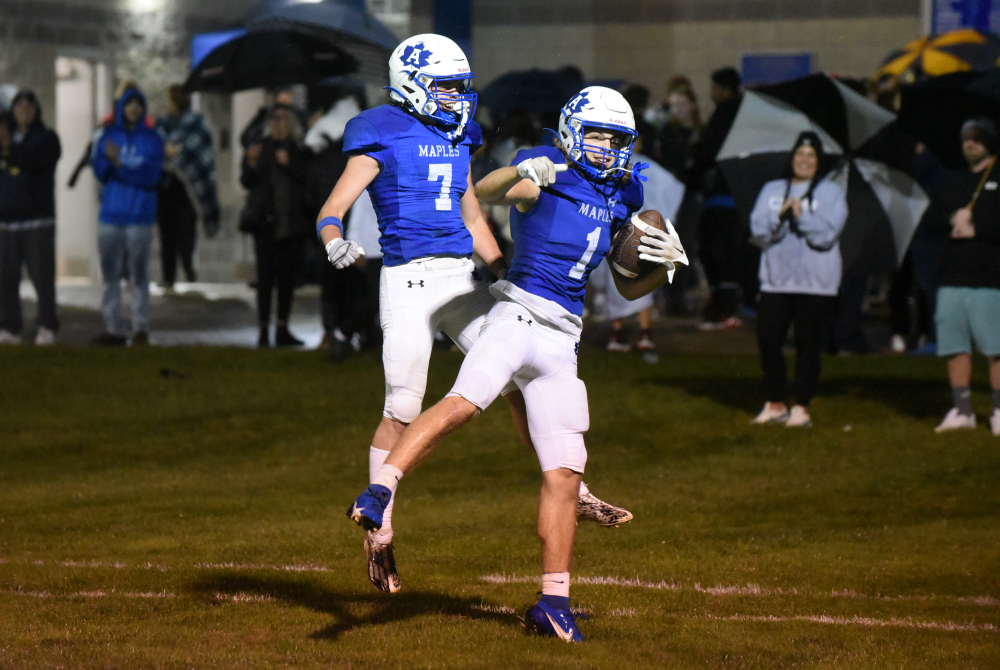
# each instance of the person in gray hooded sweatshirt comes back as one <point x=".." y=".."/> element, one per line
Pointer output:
<point x="797" y="221"/>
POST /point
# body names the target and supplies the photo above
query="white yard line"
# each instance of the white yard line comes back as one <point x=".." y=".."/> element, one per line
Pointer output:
<point x="866" y="622"/>
<point x="118" y="565"/>
<point x="99" y="593"/>
<point x="259" y="566"/>
<point x="736" y="590"/>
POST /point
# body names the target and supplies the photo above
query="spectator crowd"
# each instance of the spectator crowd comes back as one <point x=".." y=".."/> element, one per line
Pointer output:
<point x="779" y="266"/>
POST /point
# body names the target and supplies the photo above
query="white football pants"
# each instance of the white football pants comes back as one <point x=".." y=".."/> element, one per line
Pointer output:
<point x="542" y="362"/>
<point x="416" y="300"/>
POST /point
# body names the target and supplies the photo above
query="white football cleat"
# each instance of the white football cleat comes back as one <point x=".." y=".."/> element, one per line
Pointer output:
<point x="589" y="506"/>
<point x="799" y="418"/>
<point x="768" y="416"/>
<point x="45" y="337"/>
<point x="381" y="565"/>
<point x="953" y="420"/>
<point x="995" y="422"/>
<point x="7" y="337"/>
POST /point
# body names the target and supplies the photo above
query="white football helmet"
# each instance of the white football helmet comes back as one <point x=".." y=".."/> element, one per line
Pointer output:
<point x="597" y="108"/>
<point x="418" y="68"/>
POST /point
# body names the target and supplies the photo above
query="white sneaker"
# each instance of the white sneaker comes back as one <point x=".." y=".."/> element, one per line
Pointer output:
<point x="898" y="344"/>
<point x="768" y="416"/>
<point x="955" y="421"/>
<point x="620" y="347"/>
<point x="799" y="418"/>
<point x="995" y="422"/>
<point x="7" y="337"/>
<point x="45" y="337"/>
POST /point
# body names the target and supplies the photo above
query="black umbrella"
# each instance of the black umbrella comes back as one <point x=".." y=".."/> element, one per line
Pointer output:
<point x="343" y="22"/>
<point x="872" y="162"/>
<point x="269" y="58"/>
<point x="934" y="110"/>
<point x="539" y="91"/>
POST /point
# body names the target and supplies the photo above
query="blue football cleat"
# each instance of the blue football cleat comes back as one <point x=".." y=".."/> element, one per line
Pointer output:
<point x="549" y="621"/>
<point x="367" y="510"/>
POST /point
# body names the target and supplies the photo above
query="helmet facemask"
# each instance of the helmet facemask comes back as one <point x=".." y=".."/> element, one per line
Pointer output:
<point x="448" y="99"/>
<point x="595" y="159"/>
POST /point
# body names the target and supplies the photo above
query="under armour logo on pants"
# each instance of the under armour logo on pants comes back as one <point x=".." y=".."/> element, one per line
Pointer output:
<point x="418" y="284"/>
<point x="521" y="318"/>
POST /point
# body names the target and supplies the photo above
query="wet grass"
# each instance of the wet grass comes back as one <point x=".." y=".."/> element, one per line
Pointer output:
<point x="174" y="508"/>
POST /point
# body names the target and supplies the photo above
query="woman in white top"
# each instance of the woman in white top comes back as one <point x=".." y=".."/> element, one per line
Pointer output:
<point x="797" y="222"/>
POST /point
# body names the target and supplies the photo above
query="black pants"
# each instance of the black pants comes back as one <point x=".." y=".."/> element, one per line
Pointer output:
<point x="848" y="312"/>
<point x="350" y="298"/>
<point x="722" y="239"/>
<point x="278" y="262"/>
<point x="776" y="312"/>
<point x="177" y="221"/>
<point x="34" y="248"/>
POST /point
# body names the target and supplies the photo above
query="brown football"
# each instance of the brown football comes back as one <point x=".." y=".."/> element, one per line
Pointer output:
<point x="624" y="256"/>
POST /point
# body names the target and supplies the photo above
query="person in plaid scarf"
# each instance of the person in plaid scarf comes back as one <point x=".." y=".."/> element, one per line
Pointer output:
<point x="187" y="189"/>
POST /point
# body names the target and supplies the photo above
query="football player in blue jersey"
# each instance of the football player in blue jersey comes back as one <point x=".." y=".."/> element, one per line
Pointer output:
<point x="562" y="225"/>
<point x="413" y="157"/>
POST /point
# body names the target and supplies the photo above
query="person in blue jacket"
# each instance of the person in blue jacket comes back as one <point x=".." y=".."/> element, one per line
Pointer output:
<point x="128" y="160"/>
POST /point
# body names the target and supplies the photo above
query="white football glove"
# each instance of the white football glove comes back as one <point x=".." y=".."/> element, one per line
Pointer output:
<point x="540" y="170"/>
<point x="662" y="247"/>
<point x="343" y="253"/>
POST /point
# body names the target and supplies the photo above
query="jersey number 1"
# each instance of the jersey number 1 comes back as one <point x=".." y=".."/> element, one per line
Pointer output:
<point x="442" y="171"/>
<point x="581" y="265"/>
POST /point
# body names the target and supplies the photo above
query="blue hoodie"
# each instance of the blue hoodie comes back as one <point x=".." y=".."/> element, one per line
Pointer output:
<point x="129" y="196"/>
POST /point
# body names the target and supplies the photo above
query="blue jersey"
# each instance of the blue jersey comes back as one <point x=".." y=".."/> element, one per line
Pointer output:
<point x="417" y="195"/>
<point x="566" y="234"/>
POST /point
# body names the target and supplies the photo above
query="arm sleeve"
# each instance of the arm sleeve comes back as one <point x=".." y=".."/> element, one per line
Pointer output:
<point x="765" y="228"/>
<point x="99" y="161"/>
<point x="250" y="176"/>
<point x="986" y="217"/>
<point x="937" y="217"/>
<point x="39" y="154"/>
<point x="822" y="224"/>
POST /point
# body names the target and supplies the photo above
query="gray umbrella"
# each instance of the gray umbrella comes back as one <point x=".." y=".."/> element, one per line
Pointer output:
<point x="884" y="201"/>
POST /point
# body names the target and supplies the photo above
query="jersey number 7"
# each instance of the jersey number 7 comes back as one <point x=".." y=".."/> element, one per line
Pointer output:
<point x="442" y="171"/>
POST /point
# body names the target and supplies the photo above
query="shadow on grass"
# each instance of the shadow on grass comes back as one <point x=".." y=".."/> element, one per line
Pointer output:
<point x="351" y="610"/>
<point x="917" y="398"/>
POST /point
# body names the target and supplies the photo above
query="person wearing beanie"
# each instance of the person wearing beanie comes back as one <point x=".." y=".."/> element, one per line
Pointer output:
<point x="29" y="152"/>
<point x="967" y="211"/>
<point x="797" y="222"/>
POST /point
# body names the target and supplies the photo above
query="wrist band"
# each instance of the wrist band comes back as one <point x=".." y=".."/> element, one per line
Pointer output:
<point x="329" y="221"/>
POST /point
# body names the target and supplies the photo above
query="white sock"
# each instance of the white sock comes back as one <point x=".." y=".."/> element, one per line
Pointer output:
<point x="555" y="584"/>
<point x="376" y="459"/>
<point x="583" y="489"/>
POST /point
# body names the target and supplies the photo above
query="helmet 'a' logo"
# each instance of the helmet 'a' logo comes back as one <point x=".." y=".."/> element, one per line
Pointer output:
<point x="416" y="55"/>
<point x="577" y="104"/>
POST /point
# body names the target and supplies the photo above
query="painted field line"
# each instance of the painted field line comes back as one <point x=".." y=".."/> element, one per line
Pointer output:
<point x="119" y="565"/>
<point x="100" y="593"/>
<point x="244" y="597"/>
<point x="734" y="590"/>
<point x="260" y="566"/>
<point x="865" y="622"/>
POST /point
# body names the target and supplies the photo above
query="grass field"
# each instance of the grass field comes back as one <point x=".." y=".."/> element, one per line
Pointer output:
<point x="176" y="508"/>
